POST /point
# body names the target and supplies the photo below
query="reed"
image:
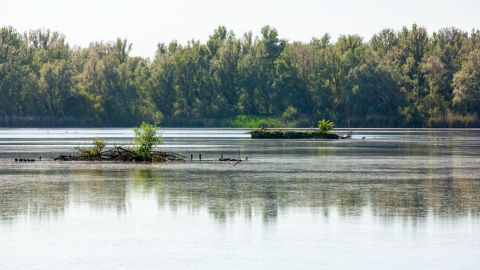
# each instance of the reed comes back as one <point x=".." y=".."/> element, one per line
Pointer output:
<point x="453" y="121"/>
<point x="21" y="121"/>
<point x="243" y="121"/>
<point x="50" y="121"/>
<point x="240" y="121"/>
<point x="374" y="121"/>
<point x="251" y="121"/>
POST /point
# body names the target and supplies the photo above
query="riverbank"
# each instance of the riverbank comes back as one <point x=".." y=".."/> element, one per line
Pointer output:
<point x="239" y="121"/>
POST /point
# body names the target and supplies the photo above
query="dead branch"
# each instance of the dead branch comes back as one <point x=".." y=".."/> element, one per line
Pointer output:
<point x="119" y="153"/>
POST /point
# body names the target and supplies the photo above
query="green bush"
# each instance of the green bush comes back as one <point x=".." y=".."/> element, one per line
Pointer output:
<point x="146" y="137"/>
<point x="325" y="125"/>
<point x="95" y="151"/>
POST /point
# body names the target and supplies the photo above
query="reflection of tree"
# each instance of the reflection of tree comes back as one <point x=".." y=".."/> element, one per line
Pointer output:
<point x="226" y="195"/>
<point x="147" y="179"/>
<point x="43" y="196"/>
<point x="100" y="188"/>
<point x="269" y="194"/>
<point x="412" y="192"/>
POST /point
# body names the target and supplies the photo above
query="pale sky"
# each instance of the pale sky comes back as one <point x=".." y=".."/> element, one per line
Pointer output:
<point x="146" y="22"/>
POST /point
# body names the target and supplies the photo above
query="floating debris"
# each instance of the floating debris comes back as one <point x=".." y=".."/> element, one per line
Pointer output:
<point x="119" y="153"/>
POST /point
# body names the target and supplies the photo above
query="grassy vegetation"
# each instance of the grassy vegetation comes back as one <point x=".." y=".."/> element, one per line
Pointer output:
<point x="454" y="121"/>
<point x="251" y="121"/>
<point x="291" y="132"/>
<point x="240" y="121"/>
<point x="46" y="121"/>
<point x="246" y="121"/>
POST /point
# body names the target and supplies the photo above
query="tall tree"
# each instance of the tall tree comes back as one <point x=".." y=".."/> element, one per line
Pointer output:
<point x="466" y="84"/>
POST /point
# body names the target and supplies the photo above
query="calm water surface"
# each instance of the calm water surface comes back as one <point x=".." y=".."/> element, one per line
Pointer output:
<point x="395" y="200"/>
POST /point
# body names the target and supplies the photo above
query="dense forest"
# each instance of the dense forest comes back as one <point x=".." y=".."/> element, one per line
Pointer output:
<point x="406" y="78"/>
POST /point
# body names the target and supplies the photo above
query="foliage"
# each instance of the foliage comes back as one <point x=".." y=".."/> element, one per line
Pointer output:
<point x="396" y="79"/>
<point x="322" y="132"/>
<point x="290" y="114"/>
<point x="249" y="121"/>
<point x="146" y="137"/>
<point x="95" y="151"/>
<point x="466" y="84"/>
<point x="294" y="132"/>
<point x="325" y="125"/>
<point x="453" y="121"/>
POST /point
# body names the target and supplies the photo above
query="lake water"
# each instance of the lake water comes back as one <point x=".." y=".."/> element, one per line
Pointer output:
<point x="394" y="200"/>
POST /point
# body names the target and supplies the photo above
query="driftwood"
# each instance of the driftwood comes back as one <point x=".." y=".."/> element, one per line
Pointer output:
<point x="119" y="153"/>
<point x="228" y="159"/>
<point x="348" y="136"/>
<point x="25" y="160"/>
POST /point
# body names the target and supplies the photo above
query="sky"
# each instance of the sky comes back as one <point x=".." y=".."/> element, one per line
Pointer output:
<point x="146" y="22"/>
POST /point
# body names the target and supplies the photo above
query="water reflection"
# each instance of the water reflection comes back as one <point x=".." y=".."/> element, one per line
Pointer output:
<point x="41" y="199"/>
<point x="226" y="194"/>
<point x="400" y="199"/>
<point x="99" y="189"/>
<point x="387" y="178"/>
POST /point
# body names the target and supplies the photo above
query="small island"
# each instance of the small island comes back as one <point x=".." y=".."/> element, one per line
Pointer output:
<point x="146" y="137"/>
<point x="321" y="134"/>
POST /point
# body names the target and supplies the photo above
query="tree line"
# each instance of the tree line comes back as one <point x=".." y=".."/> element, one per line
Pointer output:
<point x="405" y="78"/>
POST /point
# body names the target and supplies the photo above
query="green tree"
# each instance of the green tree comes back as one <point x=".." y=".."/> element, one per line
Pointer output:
<point x="371" y="90"/>
<point x="163" y="91"/>
<point x="297" y="77"/>
<point x="405" y="75"/>
<point x="384" y="42"/>
<point x="289" y="114"/>
<point x="54" y="86"/>
<point x="146" y="137"/>
<point x="466" y="84"/>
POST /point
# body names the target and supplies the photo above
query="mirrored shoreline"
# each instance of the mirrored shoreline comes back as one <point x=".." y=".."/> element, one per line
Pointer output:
<point x="400" y="199"/>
